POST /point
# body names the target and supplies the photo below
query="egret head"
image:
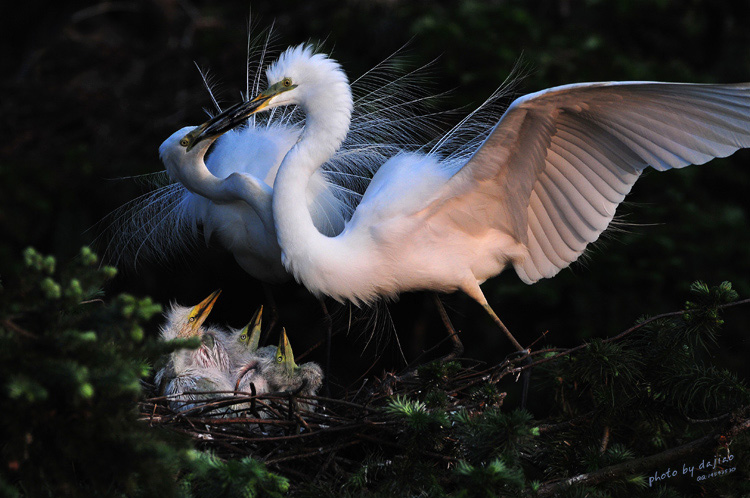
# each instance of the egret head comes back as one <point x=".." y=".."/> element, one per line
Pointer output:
<point x="249" y="337"/>
<point x="284" y="355"/>
<point x="184" y="322"/>
<point x="299" y="77"/>
<point x="172" y="153"/>
<point x="302" y="77"/>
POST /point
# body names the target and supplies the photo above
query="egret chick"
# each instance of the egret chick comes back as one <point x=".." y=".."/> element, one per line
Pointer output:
<point x="243" y="344"/>
<point x="286" y="376"/>
<point x="250" y="359"/>
<point x="253" y="362"/>
<point x="190" y="373"/>
<point x="183" y="322"/>
<point x="278" y="372"/>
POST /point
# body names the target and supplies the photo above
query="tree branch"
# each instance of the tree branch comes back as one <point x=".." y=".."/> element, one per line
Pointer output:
<point x="19" y="330"/>
<point x="646" y="463"/>
<point x="615" y="338"/>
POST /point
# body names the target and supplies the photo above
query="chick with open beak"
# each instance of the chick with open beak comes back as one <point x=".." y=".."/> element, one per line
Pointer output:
<point x="193" y="374"/>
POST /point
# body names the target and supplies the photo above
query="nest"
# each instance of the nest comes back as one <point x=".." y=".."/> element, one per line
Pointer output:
<point x="315" y="437"/>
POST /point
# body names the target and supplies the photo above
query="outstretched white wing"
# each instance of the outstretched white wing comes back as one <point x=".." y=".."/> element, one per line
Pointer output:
<point x="557" y="164"/>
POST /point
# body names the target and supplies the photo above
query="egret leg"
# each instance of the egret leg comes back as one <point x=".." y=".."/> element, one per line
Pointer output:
<point x="328" y="323"/>
<point x="471" y="287"/>
<point x="458" y="347"/>
<point x="526" y="375"/>
<point x="503" y="327"/>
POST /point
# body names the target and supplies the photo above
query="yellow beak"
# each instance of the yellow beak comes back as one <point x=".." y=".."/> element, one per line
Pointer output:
<point x="200" y="312"/>
<point x="252" y="330"/>
<point x="284" y="354"/>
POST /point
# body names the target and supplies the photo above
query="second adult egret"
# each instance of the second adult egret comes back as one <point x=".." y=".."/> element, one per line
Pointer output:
<point x="541" y="185"/>
<point x="227" y="192"/>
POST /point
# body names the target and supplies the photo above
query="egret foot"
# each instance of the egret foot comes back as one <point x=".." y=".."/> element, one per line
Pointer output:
<point x="527" y="373"/>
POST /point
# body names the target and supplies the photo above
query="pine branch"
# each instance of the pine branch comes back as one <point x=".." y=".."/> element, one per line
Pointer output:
<point x="19" y="330"/>
<point x="632" y="329"/>
<point x="649" y="462"/>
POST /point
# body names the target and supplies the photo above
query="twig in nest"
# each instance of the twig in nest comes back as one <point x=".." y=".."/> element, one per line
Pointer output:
<point x="317" y="452"/>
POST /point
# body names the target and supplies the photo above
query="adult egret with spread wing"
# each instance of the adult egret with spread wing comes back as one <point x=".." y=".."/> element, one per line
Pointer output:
<point x="542" y="185"/>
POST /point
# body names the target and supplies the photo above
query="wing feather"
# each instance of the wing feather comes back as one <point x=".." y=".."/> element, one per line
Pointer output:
<point x="560" y="161"/>
<point x="554" y="230"/>
<point x="576" y="227"/>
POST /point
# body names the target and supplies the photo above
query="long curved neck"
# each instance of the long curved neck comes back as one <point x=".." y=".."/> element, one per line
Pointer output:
<point x="195" y="176"/>
<point x="325" y="129"/>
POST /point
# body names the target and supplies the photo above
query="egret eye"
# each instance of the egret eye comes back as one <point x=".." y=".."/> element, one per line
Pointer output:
<point x="243" y="337"/>
<point x="184" y="142"/>
<point x="191" y="319"/>
<point x="279" y="359"/>
<point x="286" y="82"/>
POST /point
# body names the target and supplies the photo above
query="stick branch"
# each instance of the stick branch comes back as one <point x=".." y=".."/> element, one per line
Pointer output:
<point x="646" y="463"/>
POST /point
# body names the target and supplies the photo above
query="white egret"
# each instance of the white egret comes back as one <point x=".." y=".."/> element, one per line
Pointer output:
<point x="249" y="360"/>
<point x="539" y="187"/>
<point x="191" y="373"/>
<point x="286" y="376"/>
<point x="229" y="195"/>
<point x="274" y="370"/>
<point x="242" y="345"/>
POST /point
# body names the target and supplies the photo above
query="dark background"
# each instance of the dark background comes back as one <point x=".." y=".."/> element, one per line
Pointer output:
<point x="90" y="90"/>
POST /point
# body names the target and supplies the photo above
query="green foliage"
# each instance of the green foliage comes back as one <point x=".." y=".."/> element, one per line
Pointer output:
<point x="642" y="393"/>
<point x="491" y="480"/>
<point x="71" y="370"/>
<point x="487" y="394"/>
<point x="73" y="366"/>
<point x="209" y="476"/>
<point x="617" y="453"/>
<point x="419" y="420"/>
<point x="613" y="402"/>
<point x="494" y="433"/>
<point x="436" y="372"/>
<point x="607" y="368"/>
<point x="702" y="311"/>
<point x="583" y="492"/>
